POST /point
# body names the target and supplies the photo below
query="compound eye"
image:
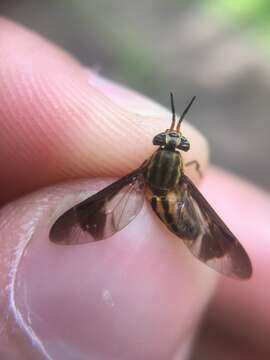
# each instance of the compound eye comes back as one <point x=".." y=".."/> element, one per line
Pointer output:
<point x="184" y="145"/>
<point x="159" y="139"/>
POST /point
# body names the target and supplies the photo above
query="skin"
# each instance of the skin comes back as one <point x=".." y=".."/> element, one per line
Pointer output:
<point x="140" y="294"/>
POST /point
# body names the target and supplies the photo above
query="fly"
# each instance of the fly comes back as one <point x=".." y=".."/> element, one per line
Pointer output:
<point x="174" y="199"/>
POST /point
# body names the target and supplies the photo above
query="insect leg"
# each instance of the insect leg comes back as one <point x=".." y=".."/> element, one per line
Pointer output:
<point x="197" y="166"/>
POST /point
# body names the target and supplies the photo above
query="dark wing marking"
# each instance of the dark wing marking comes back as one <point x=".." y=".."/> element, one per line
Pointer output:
<point x="206" y="235"/>
<point x="103" y="214"/>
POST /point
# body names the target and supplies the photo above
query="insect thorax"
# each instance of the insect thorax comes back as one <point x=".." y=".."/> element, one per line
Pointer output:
<point x="164" y="170"/>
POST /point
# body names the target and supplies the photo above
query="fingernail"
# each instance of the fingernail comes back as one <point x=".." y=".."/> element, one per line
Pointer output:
<point x="123" y="96"/>
<point x="138" y="295"/>
<point x="136" y="103"/>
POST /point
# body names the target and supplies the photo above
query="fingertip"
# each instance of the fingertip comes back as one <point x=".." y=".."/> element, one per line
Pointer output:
<point x="143" y="275"/>
<point x="59" y="124"/>
<point x="237" y="305"/>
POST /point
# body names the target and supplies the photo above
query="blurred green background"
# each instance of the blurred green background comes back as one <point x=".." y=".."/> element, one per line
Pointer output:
<point x="217" y="50"/>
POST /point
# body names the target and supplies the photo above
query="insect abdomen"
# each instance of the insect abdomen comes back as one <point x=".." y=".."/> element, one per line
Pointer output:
<point x="164" y="170"/>
<point x="162" y="206"/>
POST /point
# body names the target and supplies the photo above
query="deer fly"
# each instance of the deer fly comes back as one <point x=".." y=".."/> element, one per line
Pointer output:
<point x="173" y="197"/>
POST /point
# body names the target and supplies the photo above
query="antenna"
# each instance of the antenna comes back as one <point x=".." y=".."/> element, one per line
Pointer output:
<point x="173" y="112"/>
<point x="184" y="113"/>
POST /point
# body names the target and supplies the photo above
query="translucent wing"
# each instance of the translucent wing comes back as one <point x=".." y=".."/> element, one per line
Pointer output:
<point x="103" y="214"/>
<point x="204" y="233"/>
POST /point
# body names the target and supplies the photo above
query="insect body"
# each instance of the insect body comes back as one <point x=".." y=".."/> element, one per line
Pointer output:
<point x="173" y="197"/>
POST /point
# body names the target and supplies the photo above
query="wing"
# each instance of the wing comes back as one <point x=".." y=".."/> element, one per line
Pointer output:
<point x="103" y="214"/>
<point x="205" y="234"/>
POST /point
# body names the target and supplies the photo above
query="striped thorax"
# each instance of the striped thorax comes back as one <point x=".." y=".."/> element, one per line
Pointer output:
<point x="164" y="170"/>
